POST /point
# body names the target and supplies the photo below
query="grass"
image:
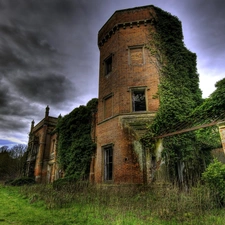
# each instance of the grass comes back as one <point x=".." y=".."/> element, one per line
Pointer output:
<point x="41" y="204"/>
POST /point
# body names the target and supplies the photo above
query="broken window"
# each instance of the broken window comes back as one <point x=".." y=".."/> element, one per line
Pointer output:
<point x="108" y="163"/>
<point x="138" y="100"/>
<point x="108" y="65"/>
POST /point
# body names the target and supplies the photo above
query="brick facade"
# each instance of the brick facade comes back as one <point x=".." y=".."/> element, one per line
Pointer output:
<point x="122" y="43"/>
<point x="41" y="159"/>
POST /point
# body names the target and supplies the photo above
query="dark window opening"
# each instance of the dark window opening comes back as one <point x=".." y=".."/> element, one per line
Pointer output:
<point x="108" y="151"/>
<point x="138" y="100"/>
<point x="108" y="65"/>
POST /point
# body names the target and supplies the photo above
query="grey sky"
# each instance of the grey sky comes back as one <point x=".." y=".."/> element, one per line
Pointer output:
<point x="49" y="53"/>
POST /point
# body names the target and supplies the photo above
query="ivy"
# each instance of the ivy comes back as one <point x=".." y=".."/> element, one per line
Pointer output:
<point x="75" y="146"/>
<point x="179" y="95"/>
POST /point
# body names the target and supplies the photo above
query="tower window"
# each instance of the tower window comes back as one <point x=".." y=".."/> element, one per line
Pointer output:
<point x="108" y="163"/>
<point x="138" y="100"/>
<point x="108" y="65"/>
<point x="136" y="55"/>
<point x="108" y="105"/>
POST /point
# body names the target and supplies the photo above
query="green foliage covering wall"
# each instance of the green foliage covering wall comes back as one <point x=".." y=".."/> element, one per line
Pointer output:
<point x="75" y="145"/>
<point x="179" y="95"/>
<point x="214" y="106"/>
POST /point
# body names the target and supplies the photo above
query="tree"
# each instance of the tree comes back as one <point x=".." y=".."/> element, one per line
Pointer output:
<point x="5" y="162"/>
<point x="17" y="152"/>
<point x="12" y="161"/>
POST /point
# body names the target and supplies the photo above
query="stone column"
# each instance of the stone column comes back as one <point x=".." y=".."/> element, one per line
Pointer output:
<point x="39" y="161"/>
<point x="221" y="126"/>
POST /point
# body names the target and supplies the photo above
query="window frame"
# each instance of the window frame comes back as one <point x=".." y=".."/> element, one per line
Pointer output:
<point x="108" y="157"/>
<point x="108" y="64"/>
<point x="104" y="105"/>
<point x="130" y="48"/>
<point x="138" y="89"/>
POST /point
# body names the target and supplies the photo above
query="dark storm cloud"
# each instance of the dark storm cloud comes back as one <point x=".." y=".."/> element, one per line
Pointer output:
<point x="34" y="60"/>
<point x="49" y="53"/>
<point x="53" y="87"/>
<point x="7" y="123"/>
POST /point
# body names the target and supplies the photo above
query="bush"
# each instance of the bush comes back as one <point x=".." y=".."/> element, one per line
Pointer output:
<point x="214" y="177"/>
<point x="21" y="181"/>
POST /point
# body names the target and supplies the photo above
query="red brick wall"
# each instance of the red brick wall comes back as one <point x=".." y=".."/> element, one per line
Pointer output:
<point x="125" y="165"/>
<point x="118" y="83"/>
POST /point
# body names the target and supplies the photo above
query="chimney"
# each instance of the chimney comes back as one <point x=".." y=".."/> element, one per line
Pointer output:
<point x="47" y="112"/>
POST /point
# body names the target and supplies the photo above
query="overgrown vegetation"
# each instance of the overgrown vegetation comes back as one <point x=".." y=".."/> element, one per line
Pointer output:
<point x="81" y="203"/>
<point x="75" y="146"/>
<point x="214" y="178"/>
<point x="213" y="106"/>
<point x="186" y="155"/>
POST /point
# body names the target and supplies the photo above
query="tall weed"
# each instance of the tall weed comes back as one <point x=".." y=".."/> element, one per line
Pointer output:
<point x="144" y="202"/>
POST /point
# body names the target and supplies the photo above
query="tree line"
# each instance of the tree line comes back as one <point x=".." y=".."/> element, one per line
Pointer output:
<point x="12" y="161"/>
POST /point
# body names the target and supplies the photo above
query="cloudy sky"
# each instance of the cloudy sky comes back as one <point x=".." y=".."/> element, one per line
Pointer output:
<point x="49" y="53"/>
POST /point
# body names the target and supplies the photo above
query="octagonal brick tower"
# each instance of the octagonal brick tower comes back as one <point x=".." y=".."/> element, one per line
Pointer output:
<point x="128" y="81"/>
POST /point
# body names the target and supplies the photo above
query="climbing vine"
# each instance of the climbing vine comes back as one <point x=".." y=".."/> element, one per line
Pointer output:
<point x="179" y="94"/>
<point x="75" y="146"/>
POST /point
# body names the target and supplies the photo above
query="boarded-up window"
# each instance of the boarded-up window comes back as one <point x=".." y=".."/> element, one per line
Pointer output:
<point x="108" y="107"/>
<point x="136" y="56"/>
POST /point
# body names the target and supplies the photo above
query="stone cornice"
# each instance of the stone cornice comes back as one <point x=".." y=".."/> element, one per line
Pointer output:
<point x="124" y="25"/>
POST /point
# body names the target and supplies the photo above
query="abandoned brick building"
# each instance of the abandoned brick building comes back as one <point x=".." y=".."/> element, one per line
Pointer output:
<point x="128" y="79"/>
<point x="41" y="159"/>
<point x="128" y="82"/>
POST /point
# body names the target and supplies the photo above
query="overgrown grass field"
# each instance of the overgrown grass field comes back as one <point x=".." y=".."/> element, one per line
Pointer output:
<point x="83" y="204"/>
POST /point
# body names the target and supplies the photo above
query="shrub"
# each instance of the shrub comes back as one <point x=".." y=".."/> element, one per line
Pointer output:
<point x="214" y="177"/>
